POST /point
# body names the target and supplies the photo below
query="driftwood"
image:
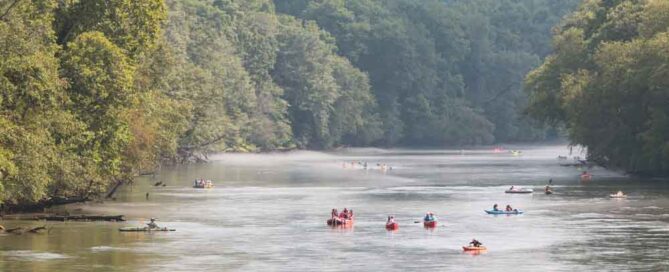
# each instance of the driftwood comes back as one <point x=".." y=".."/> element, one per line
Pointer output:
<point x="21" y="230"/>
<point x="37" y="229"/>
<point x="18" y="230"/>
<point x="112" y="218"/>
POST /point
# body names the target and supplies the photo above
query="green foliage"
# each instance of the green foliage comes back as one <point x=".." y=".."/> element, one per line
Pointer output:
<point x="433" y="64"/>
<point x="607" y="83"/>
<point x="98" y="91"/>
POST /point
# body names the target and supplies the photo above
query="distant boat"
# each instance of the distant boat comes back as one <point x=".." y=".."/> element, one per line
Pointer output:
<point x="519" y="191"/>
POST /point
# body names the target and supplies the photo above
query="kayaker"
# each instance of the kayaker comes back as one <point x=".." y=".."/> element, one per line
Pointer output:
<point x="152" y="224"/>
<point x="494" y="207"/>
<point x="475" y="243"/>
<point x="508" y="208"/>
<point x="512" y="187"/>
<point x="391" y="219"/>
<point x="334" y="213"/>
<point x="429" y="217"/>
<point x="548" y="189"/>
<point x="350" y="214"/>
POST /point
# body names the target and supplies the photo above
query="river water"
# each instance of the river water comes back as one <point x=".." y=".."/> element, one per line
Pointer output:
<point x="268" y="212"/>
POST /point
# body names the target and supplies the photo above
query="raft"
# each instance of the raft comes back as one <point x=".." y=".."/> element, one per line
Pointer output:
<point x="471" y="248"/>
<point x="519" y="191"/>
<point x="430" y="224"/>
<point x="393" y="226"/>
<point x="143" y="229"/>
<point x="503" y="212"/>
<point x="339" y="222"/>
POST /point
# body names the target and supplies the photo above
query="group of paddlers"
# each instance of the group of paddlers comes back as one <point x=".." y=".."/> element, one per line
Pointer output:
<point x="380" y="166"/>
<point x="344" y="214"/>
<point x="202" y="183"/>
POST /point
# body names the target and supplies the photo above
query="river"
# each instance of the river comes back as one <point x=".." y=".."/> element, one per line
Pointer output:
<point x="268" y="212"/>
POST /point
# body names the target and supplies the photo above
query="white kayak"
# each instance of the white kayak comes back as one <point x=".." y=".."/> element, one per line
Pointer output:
<point x="143" y="229"/>
<point x="617" y="196"/>
<point x="519" y="191"/>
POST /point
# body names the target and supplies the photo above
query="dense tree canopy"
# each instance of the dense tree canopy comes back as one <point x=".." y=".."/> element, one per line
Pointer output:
<point x="96" y="92"/>
<point x="607" y="82"/>
<point x="443" y="72"/>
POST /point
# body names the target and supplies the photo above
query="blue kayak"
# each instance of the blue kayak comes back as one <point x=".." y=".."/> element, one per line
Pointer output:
<point x="503" y="212"/>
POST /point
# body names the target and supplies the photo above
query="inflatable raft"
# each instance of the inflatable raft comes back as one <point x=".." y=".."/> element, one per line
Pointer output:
<point x="339" y="222"/>
<point x="503" y="212"/>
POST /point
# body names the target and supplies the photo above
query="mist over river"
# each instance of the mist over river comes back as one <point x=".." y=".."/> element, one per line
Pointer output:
<point x="268" y="212"/>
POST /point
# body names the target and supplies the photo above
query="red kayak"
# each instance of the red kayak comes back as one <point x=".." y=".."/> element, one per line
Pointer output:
<point x="392" y="226"/>
<point x="430" y="224"/>
<point x="340" y="222"/>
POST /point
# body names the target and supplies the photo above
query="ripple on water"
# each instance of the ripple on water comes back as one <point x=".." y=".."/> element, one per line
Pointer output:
<point x="29" y="255"/>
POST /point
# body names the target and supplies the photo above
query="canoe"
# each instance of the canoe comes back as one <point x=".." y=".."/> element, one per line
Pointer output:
<point x="392" y="226"/>
<point x="617" y="196"/>
<point x="503" y="212"/>
<point x="143" y="229"/>
<point x="471" y="248"/>
<point x="339" y="222"/>
<point x="519" y="191"/>
<point x="430" y="224"/>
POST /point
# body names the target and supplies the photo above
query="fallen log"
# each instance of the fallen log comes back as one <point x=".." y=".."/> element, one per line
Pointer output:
<point x="112" y="218"/>
<point x="18" y="230"/>
<point x="37" y="229"/>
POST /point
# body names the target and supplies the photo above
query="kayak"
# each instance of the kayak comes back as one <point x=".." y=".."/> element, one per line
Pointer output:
<point x="339" y="222"/>
<point x="430" y="224"/>
<point x="617" y="196"/>
<point x="519" y="191"/>
<point x="143" y="229"/>
<point x="205" y="186"/>
<point x="472" y="248"/>
<point x="503" y="212"/>
<point x="392" y="226"/>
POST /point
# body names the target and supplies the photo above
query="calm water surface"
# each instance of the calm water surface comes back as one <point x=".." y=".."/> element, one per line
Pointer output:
<point x="268" y="212"/>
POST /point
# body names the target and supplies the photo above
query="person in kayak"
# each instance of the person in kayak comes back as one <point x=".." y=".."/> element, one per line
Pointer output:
<point x="494" y="207"/>
<point x="512" y="188"/>
<point x="508" y="208"/>
<point x="152" y="224"/>
<point x="475" y="243"/>
<point x="350" y="214"/>
<point x="391" y="220"/>
<point x="429" y="217"/>
<point x="334" y="213"/>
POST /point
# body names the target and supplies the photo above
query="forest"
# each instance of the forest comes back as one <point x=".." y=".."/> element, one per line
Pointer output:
<point x="606" y="82"/>
<point x="94" y="93"/>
